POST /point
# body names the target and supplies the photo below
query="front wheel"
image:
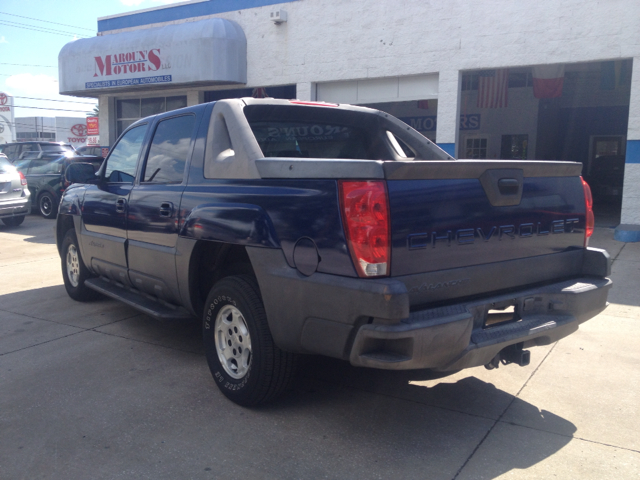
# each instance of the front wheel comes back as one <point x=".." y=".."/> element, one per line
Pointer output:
<point x="244" y="361"/>
<point x="74" y="271"/>
<point x="13" y="221"/>
<point x="47" y="205"/>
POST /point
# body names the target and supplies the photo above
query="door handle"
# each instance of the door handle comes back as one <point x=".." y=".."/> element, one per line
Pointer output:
<point x="121" y="203"/>
<point x="166" y="209"/>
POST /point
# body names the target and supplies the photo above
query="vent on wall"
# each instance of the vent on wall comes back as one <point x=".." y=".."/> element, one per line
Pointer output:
<point x="278" y="17"/>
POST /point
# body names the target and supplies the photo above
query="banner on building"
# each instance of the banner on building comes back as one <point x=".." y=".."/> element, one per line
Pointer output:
<point x="548" y="81"/>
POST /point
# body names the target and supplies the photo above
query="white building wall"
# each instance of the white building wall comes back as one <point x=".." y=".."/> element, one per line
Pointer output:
<point x="333" y="40"/>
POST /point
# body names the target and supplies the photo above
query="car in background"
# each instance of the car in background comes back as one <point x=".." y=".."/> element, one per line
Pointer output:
<point x="97" y="150"/>
<point x="23" y="150"/>
<point x="14" y="194"/>
<point x="45" y="177"/>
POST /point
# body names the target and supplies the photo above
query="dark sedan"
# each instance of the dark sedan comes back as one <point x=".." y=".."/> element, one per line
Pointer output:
<point x="45" y="177"/>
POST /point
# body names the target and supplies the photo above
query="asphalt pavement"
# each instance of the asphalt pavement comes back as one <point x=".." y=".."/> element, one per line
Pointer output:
<point x="98" y="391"/>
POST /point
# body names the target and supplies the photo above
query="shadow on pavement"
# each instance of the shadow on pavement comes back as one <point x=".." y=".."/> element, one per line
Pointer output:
<point x="335" y="413"/>
<point x="35" y="228"/>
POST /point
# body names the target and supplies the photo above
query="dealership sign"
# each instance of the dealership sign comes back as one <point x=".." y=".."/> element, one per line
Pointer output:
<point x="93" y="126"/>
<point x="429" y="123"/>
<point x="72" y="130"/>
<point x="212" y="51"/>
<point x="7" y="121"/>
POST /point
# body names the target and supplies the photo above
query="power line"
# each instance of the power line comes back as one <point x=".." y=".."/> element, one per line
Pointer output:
<point x="46" y="21"/>
<point x="46" y="108"/>
<point x="64" y="101"/>
<point x="40" y="29"/>
<point x="45" y="129"/>
<point x="26" y="65"/>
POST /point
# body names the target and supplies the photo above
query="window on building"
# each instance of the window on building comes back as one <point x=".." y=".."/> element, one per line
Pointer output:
<point x="514" y="147"/>
<point x="470" y="82"/>
<point x="476" y="148"/>
<point x="131" y="110"/>
<point x="520" y="79"/>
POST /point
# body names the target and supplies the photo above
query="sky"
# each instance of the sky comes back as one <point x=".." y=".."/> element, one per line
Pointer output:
<point x="32" y="33"/>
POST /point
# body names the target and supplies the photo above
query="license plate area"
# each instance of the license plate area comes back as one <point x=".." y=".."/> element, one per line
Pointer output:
<point x="501" y="313"/>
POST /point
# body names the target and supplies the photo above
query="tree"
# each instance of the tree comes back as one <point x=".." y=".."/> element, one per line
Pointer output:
<point x="95" y="112"/>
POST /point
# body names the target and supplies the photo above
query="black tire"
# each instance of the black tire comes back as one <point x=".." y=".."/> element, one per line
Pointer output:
<point x="74" y="271"/>
<point x="255" y="370"/>
<point x="47" y="205"/>
<point x="13" y="221"/>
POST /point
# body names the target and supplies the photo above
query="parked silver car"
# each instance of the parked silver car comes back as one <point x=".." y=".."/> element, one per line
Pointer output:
<point x="14" y="194"/>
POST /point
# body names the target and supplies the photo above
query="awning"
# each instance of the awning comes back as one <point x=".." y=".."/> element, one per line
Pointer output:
<point x="206" y="52"/>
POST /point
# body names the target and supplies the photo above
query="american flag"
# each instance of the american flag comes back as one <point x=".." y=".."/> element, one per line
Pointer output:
<point x="493" y="86"/>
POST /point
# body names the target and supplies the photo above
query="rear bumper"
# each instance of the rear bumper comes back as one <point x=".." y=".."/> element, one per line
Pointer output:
<point x="370" y="322"/>
<point x="18" y="207"/>
<point x="453" y="337"/>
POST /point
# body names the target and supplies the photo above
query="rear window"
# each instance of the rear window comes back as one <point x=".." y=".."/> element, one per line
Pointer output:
<point x="56" y="148"/>
<point x="316" y="132"/>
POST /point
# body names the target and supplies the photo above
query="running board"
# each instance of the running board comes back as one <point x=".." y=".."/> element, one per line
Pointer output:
<point x="139" y="301"/>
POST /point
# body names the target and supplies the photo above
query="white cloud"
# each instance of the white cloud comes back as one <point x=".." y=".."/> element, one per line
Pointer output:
<point x="33" y="84"/>
<point x="3" y="40"/>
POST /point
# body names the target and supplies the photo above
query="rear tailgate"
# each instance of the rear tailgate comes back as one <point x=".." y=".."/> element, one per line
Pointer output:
<point x="448" y="215"/>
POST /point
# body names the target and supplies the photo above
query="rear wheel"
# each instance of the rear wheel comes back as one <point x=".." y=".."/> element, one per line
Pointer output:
<point x="74" y="271"/>
<point x="13" y="221"/>
<point x="47" y="205"/>
<point x="244" y="361"/>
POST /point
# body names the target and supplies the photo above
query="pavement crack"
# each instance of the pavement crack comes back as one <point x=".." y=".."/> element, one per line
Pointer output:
<point x="67" y="324"/>
<point x="42" y="343"/>
<point x="572" y="437"/>
<point x="145" y="342"/>
<point x="618" y="254"/>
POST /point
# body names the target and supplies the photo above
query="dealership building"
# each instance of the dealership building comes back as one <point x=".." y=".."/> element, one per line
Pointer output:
<point x="498" y="79"/>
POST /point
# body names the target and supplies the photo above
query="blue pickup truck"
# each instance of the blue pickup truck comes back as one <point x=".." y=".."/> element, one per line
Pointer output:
<point x="294" y="228"/>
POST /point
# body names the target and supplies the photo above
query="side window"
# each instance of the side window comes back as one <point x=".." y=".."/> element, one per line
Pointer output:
<point x="169" y="150"/>
<point x="12" y="152"/>
<point x="43" y="166"/>
<point x="121" y="166"/>
<point x="26" y="148"/>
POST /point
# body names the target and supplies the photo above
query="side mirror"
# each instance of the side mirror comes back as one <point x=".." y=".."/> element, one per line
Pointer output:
<point x="79" y="173"/>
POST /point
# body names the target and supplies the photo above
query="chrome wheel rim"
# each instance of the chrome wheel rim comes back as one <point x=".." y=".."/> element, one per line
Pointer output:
<point x="73" y="266"/>
<point x="233" y="342"/>
<point x="45" y="205"/>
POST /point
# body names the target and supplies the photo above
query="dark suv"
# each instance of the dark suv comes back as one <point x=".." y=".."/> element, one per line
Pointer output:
<point x="97" y="150"/>
<point x="45" y="177"/>
<point x="24" y="150"/>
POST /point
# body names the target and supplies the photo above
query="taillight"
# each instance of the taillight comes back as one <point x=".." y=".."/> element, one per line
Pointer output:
<point x="590" y="220"/>
<point x="365" y="213"/>
<point x="23" y="179"/>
